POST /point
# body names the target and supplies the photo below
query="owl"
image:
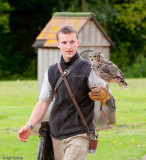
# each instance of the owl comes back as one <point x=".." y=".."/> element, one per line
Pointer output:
<point x="106" y="70"/>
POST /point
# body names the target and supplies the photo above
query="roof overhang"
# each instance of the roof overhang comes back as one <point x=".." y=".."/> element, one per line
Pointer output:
<point x="47" y="37"/>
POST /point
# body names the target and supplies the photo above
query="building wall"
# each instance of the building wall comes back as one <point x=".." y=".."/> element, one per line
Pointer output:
<point x="46" y="57"/>
<point x="90" y="35"/>
<point x="91" y="38"/>
<point x="104" y="50"/>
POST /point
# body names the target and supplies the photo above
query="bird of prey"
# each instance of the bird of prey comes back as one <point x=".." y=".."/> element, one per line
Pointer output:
<point x="106" y="70"/>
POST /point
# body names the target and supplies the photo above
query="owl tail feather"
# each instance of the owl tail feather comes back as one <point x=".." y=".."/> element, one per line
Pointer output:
<point x="124" y="84"/>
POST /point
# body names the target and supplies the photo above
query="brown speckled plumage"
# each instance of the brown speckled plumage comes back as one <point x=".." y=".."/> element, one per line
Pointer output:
<point x="105" y="69"/>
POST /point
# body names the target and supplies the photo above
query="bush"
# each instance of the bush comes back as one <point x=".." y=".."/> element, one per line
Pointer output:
<point x="136" y="70"/>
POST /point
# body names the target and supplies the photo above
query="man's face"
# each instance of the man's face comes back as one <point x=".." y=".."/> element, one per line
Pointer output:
<point x="68" y="44"/>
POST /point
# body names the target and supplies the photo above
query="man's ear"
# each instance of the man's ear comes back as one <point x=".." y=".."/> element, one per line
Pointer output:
<point x="58" y="45"/>
<point x="78" y="42"/>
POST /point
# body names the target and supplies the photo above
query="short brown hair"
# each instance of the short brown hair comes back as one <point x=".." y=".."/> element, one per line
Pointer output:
<point x="66" y="30"/>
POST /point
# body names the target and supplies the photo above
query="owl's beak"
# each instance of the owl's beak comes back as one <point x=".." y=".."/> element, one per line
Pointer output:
<point x="92" y="62"/>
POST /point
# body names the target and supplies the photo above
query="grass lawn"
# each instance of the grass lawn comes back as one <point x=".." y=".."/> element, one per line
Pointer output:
<point x="125" y="141"/>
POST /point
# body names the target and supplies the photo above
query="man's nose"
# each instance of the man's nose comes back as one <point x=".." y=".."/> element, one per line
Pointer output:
<point x="68" y="45"/>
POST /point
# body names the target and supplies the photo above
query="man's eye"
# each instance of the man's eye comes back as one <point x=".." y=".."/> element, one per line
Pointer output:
<point x="72" y="42"/>
<point x="63" y="42"/>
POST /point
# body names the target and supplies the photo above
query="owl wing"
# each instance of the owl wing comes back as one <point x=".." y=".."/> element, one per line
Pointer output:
<point x="111" y="73"/>
<point x="112" y="70"/>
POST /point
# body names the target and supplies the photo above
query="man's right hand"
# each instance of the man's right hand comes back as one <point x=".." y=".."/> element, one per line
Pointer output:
<point x="24" y="133"/>
<point x="37" y="115"/>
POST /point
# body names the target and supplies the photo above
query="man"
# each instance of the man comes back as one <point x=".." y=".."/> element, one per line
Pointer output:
<point x="69" y="137"/>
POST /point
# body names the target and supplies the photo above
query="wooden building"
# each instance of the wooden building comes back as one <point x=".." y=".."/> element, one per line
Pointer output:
<point x="91" y="37"/>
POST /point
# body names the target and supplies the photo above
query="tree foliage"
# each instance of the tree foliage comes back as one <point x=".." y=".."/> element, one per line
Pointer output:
<point x="4" y="15"/>
<point x="130" y="20"/>
<point x="132" y="15"/>
<point x="22" y="21"/>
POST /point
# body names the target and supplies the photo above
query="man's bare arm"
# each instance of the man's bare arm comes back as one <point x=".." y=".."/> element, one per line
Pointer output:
<point x="39" y="112"/>
<point x="37" y="115"/>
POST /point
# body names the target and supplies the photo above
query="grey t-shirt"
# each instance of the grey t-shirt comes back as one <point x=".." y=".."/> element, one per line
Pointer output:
<point x="46" y="93"/>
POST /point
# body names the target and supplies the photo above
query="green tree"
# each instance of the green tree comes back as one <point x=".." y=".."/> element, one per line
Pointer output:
<point x="132" y="15"/>
<point x="18" y="58"/>
<point x="4" y="15"/>
<point x="130" y="31"/>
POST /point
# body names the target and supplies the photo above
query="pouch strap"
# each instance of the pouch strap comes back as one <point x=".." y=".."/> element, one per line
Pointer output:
<point x="66" y="73"/>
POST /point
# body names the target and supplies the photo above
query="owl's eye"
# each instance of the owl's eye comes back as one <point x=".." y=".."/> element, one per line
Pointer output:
<point x="95" y="56"/>
<point x="89" y="56"/>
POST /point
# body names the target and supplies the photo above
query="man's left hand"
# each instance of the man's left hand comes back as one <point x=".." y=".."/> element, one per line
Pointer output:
<point x="99" y="93"/>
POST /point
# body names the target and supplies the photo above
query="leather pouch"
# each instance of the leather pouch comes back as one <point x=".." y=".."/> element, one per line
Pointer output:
<point x="93" y="141"/>
<point x="45" y="147"/>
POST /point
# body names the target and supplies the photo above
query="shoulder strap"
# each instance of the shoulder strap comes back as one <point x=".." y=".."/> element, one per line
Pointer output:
<point x="73" y="99"/>
<point x="66" y="73"/>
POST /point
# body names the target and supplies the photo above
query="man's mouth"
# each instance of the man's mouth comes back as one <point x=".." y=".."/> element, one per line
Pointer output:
<point x="69" y="51"/>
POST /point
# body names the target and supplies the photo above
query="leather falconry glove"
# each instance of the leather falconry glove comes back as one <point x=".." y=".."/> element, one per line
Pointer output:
<point x="100" y="93"/>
